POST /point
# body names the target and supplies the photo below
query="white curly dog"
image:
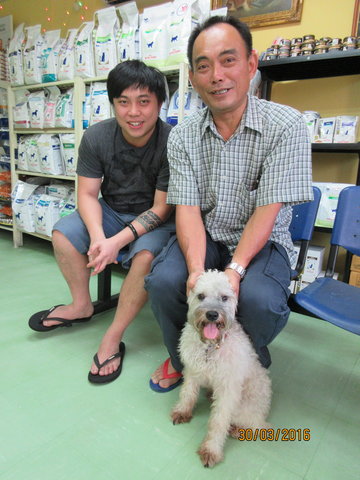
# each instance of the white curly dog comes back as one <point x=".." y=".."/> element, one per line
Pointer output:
<point x="218" y="355"/>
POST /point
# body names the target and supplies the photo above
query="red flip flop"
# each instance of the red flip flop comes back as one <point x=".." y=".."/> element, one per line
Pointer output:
<point x="165" y="374"/>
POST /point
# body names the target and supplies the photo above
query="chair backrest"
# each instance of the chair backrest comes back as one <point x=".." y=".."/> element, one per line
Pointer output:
<point x="346" y="229"/>
<point x="302" y="227"/>
<point x="303" y="218"/>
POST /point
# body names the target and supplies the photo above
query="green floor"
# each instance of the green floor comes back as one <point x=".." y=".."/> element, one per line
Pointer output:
<point x="55" y="425"/>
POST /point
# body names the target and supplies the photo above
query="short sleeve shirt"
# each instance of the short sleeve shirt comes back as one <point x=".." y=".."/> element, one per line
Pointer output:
<point x="130" y="174"/>
<point x="267" y="160"/>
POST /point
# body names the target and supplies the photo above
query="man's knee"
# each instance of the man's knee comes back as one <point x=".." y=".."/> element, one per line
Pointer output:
<point x="263" y="312"/>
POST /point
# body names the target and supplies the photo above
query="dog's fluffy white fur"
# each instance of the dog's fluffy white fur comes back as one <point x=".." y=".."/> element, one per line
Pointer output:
<point x="218" y="355"/>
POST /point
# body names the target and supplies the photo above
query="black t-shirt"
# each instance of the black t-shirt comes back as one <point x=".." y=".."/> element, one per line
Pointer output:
<point x="130" y="174"/>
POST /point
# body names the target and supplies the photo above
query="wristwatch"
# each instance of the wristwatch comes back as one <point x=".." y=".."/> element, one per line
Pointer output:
<point x="238" y="269"/>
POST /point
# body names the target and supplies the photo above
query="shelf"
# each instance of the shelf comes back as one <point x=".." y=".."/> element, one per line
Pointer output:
<point x="4" y="226"/>
<point x="46" y="175"/>
<point x="35" y="234"/>
<point x="39" y="86"/>
<point x="52" y="131"/>
<point x="336" y="147"/>
<point x="333" y="64"/>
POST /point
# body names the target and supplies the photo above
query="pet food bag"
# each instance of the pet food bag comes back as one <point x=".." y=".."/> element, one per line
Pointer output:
<point x="67" y="205"/>
<point x="36" y="105"/>
<point x="33" y="157"/>
<point x="328" y="203"/>
<point x="15" y="56"/>
<point x="22" y="163"/>
<point x="193" y="103"/>
<point x="154" y="34"/>
<point x="100" y="105"/>
<point x="20" y="110"/>
<point x="67" y="145"/>
<point x="66" y="56"/>
<point x="105" y="33"/>
<point x="64" y="110"/>
<point x="128" y="47"/>
<point x="346" y="128"/>
<point x="47" y="213"/>
<point x="185" y="15"/>
<point x="32" y="55"/>
<point x="22" y="204"/>
<point x="86" y="107"/>
<point x="51" y="161"/>
<point x="51" y="98"/>
<point x="50" y="56"/>
<point x="84" y="52"/>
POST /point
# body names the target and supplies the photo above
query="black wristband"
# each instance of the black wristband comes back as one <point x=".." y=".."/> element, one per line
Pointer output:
<point x="133" y="229"/>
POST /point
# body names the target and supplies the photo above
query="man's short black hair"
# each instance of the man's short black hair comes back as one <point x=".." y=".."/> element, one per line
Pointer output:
<point x="134" y="73"/>
<point x="241" y="27"/>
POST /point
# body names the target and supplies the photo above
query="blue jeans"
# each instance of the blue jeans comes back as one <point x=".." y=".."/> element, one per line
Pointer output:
<point x="262" y="307"/>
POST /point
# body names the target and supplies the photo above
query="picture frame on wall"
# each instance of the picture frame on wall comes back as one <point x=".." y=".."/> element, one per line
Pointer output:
<point x="355" y="31"/>
<point x="262" y="13"/>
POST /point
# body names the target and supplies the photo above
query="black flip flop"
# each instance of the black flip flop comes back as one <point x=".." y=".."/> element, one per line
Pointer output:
<point x="36" y="320"/>
<point x="96" y="378"/>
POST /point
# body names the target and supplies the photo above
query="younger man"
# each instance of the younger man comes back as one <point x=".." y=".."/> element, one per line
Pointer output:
<point x="125" y="159"/>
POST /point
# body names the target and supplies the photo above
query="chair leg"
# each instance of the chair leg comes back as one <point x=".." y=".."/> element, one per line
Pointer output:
<point x="105" y="301"/>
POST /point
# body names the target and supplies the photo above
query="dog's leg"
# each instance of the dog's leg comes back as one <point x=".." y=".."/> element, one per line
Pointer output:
<point x="211" y="449"/>
<point x="189" y="392"/>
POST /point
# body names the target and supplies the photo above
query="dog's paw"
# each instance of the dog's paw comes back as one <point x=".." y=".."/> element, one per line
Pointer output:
<point x="180" y="417"/>
<point x="234" y="431"/>
<point x="209" y="458"/>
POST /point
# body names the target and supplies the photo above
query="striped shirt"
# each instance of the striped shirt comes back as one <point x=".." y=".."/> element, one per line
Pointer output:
<point x="267" y="160"/>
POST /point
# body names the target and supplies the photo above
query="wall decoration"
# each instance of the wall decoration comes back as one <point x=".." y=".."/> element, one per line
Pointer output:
<point x="262" y="13"/>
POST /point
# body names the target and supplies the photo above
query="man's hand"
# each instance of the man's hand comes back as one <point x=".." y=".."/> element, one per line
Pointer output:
<point x="234" y="279"/>
<point x="192" y="279"/>
<point x="102" y="253"/>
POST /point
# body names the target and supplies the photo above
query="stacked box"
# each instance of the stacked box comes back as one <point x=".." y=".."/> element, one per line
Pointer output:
<point x="355" y="271"/>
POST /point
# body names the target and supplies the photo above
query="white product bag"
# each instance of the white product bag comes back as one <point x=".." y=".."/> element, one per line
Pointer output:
<point x="32" y="54"/>
<point x="67" y="144"/>
<point x="127" y="45"/>
<point x="50" y="56"/>
<point x="36" y="105"/>
<point x="47" y="213"/>
<point x="100" y="105"/>
<point x="64" y="111"/>
<point x="15" y="56"/>
<point x="185" y="15"/>
<point x="105" y="33"/>
<point x="154" y="35"/>
<point x="21" y="111"/>
<point x="51" y="98"/>
<point x="192" y="104"/>
<point x="84" y="52"/>
<point x="66" y="56"/>
<point x="22" y="163"/>
<point x="51" y="161"/>
<point x="33" y="156"/>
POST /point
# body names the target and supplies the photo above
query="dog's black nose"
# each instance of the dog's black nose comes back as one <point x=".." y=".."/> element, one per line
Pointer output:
<point x="212" y="315"/>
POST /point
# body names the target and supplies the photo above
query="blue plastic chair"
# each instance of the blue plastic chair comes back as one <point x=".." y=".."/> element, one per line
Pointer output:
<point x="329" y="299"/>
<point x="302" y="227"/>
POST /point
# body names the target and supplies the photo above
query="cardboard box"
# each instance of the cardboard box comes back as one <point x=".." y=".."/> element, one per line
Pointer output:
<point x="355" y="263"/>
<point x="354" y="278"/>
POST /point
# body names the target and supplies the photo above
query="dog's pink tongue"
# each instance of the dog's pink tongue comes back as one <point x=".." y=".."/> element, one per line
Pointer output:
<point x="211" y="331"/>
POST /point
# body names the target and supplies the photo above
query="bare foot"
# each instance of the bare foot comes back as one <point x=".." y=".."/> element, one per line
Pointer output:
<point x="108" y="347"/>
<point x="68" y="312"/>
<point x="158" y="376"/>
